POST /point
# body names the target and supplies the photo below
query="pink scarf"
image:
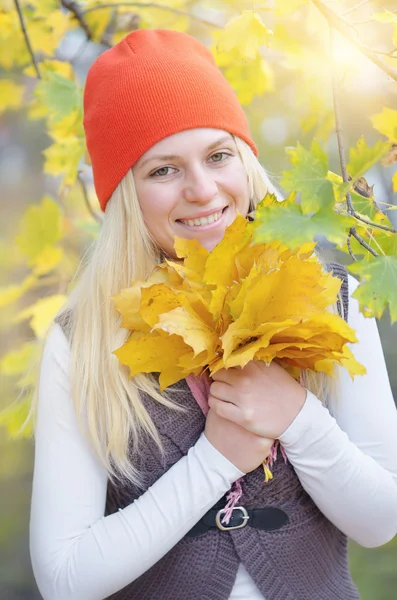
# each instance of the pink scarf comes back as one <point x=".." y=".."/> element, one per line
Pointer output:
<point x="200" y="388"/>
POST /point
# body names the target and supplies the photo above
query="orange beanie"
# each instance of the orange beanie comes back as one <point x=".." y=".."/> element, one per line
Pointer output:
<point x="152" y="84"/>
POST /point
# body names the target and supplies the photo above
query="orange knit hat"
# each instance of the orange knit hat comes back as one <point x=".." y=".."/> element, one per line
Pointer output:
<point x="152" y="84"/>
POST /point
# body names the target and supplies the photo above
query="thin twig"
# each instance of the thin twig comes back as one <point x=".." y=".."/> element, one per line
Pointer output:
<point x="27" y="40"/>
<point x="371" y="223"/>
<point x="342" y="159"/>
<point x="358" y="237"/>
<point x="86" y="200"/>
<point x="75" y="9"/>
<point x="344" y="27"/>
<point x="349" y="246"/>
<point x="353" y="8"/>
<point x="177" y="11"/>
<point x="338" y="124"/>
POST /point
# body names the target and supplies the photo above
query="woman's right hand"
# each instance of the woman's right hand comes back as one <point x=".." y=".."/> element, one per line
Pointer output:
<point x="244" y="449"/>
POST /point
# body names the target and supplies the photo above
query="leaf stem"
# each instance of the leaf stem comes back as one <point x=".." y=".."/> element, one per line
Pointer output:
<point x="27" y="40"/>
<point x="176" y="11"/>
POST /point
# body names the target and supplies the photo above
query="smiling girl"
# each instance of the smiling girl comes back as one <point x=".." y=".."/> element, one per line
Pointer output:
<point x="130" y="484"/>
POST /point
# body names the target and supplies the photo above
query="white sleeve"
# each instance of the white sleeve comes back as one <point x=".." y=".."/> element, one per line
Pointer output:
<point x="77" y="553"/>
<point x="348" y="464"/>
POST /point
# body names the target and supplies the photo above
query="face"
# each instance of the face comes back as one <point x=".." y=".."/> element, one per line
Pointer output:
<point x="191" y="184"/>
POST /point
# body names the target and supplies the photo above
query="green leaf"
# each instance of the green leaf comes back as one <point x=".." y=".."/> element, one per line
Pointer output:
<point x="61" y="96"/>
<point x="378" y="287"/>
<point x="287" y="223"/>
<point x="362" y="158"/>
<point x="309" y="177"/>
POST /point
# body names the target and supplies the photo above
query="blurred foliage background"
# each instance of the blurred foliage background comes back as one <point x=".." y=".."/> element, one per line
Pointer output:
<point x="287" y="93"/>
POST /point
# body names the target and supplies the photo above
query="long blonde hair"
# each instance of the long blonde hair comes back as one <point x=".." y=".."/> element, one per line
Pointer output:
<point x="108" y="403"/>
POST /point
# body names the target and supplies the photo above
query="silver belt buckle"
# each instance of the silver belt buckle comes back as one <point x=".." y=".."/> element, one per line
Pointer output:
<point x="226" y="527"/>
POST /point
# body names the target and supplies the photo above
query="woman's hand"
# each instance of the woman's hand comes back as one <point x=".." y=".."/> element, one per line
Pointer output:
<point x="262" y="399"/>
<point x="244" y="449"/>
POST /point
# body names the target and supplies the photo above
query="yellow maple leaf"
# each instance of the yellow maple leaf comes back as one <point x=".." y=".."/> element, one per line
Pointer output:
<point x="386" y="123"/>
<point x="41" y="313"/>
<point x="63" y="158"/>
<point x="237" y="303"/>
<point x="245" y="34"/>
<point x="40" y="229"/>
<point x="10" y="95"/>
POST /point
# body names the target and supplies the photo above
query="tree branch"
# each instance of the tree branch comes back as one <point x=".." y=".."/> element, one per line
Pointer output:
<point x="342" y="159"/>
<point x="75" y="9"/>
<point x="344" y="27"/>
<point x="338" y="124"/>
<point x="358" y="237"/>
<point x="27" y="40"/>
<point x="353" y="8"/>
<point x="176" y="11"/>
<point x="349" y="246"/>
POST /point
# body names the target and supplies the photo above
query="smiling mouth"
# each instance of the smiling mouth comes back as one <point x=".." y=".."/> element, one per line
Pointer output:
<point x="203" y="220"/>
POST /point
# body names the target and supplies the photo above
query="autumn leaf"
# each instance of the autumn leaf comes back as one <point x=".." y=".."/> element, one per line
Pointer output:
<point x="13" y="417"/>
<point x="288" y="223"/>
<point x="387" y="17"/>
<point x="237" y="303"/>
<point x="309" y="176"/>
<point x="40" y="229"/>
<point x="245" y="34"/>
<point x="21" y="363"/>
<point x="41" y="313"/>
<point x="378" y="286"/>
<point x="10" y="95"/>
<point x="247" y="79"/>
<point x="362" y="158"/>
<point x="386" y="123"/>
<point x="60" y="95"/>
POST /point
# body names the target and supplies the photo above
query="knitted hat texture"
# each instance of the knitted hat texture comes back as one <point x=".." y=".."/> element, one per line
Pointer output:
<point x="152" y="84"/>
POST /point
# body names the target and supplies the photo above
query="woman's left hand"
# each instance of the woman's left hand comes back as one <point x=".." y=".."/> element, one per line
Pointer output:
<point x="263" y="399"/>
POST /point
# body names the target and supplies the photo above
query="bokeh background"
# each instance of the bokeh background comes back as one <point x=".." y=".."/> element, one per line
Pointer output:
<point x="279" y="117"/>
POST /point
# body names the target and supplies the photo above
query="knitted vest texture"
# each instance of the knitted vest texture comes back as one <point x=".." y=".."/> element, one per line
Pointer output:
<point x="306" y="559"/>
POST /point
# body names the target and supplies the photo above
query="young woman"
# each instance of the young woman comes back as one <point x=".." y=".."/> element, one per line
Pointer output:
<point x="129" y="484"/>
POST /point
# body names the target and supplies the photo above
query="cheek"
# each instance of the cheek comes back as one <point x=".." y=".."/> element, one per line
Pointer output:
<point x="238" y="188"/>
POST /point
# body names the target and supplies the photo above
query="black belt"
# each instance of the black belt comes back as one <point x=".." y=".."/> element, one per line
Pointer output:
<point x="267" y="518"/>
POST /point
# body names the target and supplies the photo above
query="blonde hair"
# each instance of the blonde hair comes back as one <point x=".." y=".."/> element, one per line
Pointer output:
<point x="108" y="403"/>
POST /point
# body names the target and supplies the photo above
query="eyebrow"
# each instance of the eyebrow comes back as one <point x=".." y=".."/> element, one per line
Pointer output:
<point x="167" y="157"/>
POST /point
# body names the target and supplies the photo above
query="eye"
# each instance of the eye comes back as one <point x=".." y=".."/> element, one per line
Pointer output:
<point x="162" y="172"/>
<point x="219" y="157"/>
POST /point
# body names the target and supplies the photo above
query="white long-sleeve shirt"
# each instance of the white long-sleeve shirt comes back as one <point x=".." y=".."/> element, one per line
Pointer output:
<point x="346" y="462"/>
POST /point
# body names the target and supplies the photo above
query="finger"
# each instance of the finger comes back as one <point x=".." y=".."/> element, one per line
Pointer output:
<point x="223" y="391"/>
<point x="225" y="375"/>
<point x="226" y="410"/>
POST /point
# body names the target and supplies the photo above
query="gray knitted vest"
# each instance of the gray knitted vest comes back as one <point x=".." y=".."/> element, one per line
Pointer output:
<point x="305" y="559"/>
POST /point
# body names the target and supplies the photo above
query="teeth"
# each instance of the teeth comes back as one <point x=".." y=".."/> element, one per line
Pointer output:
<point x="203" y="220"/>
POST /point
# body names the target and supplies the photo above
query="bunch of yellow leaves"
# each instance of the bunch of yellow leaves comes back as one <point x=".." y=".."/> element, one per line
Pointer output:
<point x="237" y="303"/>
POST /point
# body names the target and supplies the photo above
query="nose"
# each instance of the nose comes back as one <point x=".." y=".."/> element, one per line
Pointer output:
<point x="200" y="186"/>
